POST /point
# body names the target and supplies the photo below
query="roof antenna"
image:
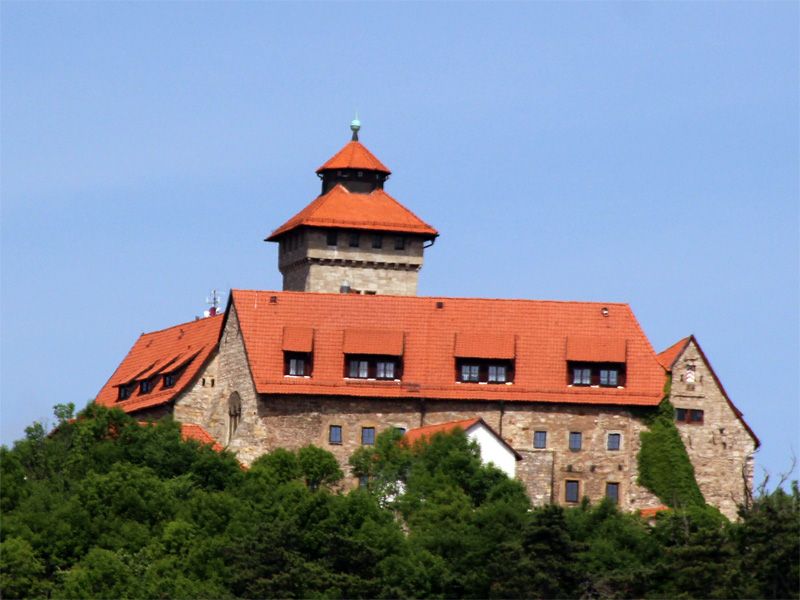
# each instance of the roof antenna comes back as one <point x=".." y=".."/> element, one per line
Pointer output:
<point x="213" y="302"/>
<point x="355" y="125"/>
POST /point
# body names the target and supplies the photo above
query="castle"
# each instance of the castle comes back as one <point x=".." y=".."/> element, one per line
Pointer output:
<point x="348" y="349"/>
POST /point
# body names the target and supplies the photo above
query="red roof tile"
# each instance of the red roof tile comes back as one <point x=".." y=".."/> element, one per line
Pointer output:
<point x="298" y="339"/>
<point x="376" y="211"/>
<point x="190" y="431"/>
<point x="595" y="349"/>
<point x="484" y="345"/>
<point x="650" y="513"/>
<point x="373" y="341"/>
<point x="354" y="155"/>
<point x="668" y="356"/>
<point x="414" y="435"/>
<point x="161" y="352"/>
<point x="541" y="329"/>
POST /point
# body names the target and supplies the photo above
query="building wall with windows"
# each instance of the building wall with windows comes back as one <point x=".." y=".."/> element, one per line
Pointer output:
<point x="719" y="444"/>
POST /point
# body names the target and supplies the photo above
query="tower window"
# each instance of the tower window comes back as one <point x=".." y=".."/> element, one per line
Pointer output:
<point x="377" y="241"/>
<point x="354" y="240"/>
<point x="332" y="238"/>
<point x="399" y="243"/>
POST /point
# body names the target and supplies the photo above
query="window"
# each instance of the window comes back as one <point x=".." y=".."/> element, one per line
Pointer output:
<point x="540" y="439"/>
<point x="572" y="490"/>
<point x="599" y="374"/>
<point x="581" y="376"/>
<point x="146" y="386"/>
<point x="377" y="241"/>
<point x="335" y="434"/>
<point x="612" y="491"/>
<point x="373" y="367"/>
<point x="234" y="414"/>
<point x="473" y="370"/>
<point x="693" y="416"/>
<point x="497" y="374"/>
<point x="297" y="364"/>
<point x="367" y="436"/>
<point x="399" y="243"/>
<point x="608" y="377"/>
<point x="614" y="440"/>
<point x="124" y="392"/>
<point x="333" y="237"/>
<point x="354" y="240"/>
<point x="689" y="374"/>
<point x="575" y="440"/>
<point x="384" y="370"/>
<point x="469" y="372"/>
<point x="169" y="380"/>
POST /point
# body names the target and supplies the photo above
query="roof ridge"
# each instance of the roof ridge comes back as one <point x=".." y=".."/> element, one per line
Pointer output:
<point x="192" y="322"/>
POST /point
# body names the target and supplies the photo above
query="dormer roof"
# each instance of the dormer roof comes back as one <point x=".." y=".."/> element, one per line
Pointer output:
<point x="340" y="208"/>
<point x="354" y="155"/>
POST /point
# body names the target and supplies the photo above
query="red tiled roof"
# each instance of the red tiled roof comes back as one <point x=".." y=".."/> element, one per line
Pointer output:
<point x="160" y="352"/>
<point x="650" y="513"/>
<point x="340" y="208"/>
<point x="414" y="435"/>
<point x="354" y="155"/>
<point x="595" y="349"/>
<point x="484" y="345"/>
<point x="668" y="356"/>
<point x="373" y="341"/>
<point x="298" y="339"/>
<point x="190" y="431"/>
<point x="541" y="329"/>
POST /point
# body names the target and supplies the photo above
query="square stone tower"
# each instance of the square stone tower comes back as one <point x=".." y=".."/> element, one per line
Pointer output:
<point x="354" y="237"/>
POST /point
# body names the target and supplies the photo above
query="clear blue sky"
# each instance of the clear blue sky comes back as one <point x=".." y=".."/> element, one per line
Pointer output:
<point x="637" y="152"/>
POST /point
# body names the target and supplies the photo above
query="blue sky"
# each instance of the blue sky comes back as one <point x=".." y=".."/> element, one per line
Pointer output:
<point x="636" y="152"/>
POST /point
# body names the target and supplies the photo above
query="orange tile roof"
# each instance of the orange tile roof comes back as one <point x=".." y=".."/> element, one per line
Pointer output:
<point x="650" y="513"/>
<point x="373" y="341"/>
<point x="595" y="349"/>
<point x="668" y="356"/>
<point x="189" y="431"/>
<point x="414" y="435"/>
<point x="158" y="353"/>
<point x="298" y="339"/>
<point x="484" y="345"/>
<point x="354" y="155"/>
<point x="541" y="329"/>
<point x="340" y="208"/>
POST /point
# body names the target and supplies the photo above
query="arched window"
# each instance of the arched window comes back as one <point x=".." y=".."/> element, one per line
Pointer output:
<point x="234" y="414"/>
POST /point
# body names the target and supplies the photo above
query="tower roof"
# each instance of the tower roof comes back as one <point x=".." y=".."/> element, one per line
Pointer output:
<point x="354" y="155"/>
<point x="340" y="208"/>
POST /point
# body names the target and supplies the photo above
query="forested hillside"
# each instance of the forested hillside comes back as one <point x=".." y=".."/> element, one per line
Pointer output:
<point x="105" y="508"/>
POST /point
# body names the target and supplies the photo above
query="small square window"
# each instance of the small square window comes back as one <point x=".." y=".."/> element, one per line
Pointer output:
<point x="614" y="440"/>
<point x="540" y="439"/>
<point x="608" y="377"/>
<point x="572" y="490"/>
<point x="145" y="386"/>
<point x="332" y="237"/>
<point x="581" y="376"/>
<point x="367" y="436"/>
<point x="612" y="491"/>
<point x="359" y="369"/>
<point x="680" y="415"/>
<point x="497" y="374"/>
<point x="169" y="380"/>
<point x="696" y="416"/>
<point x="354" y="240"/>
<point x="384" y="370"/>
<point x="335" y="434"/>
<point x="399" y="243"/>
<point x="124" y="392"/>
<point x="575" y="440"/>
<point x="377" y="241"/>
<point x="469" y="373"/>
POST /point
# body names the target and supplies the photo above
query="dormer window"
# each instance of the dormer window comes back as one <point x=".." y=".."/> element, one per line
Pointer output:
<point x="494" y="371"/>
<point x="297" y="364"/>
<point x="169" y="380"/>
<point x="596" y="374"/>
<point x="124" y="392"/>
<point x="373" y="367"/>
<point x="373" y="354"/>
<point x="146" y="386"/>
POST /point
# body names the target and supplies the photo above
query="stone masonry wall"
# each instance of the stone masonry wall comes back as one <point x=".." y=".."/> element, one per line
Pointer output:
<point x="720" y="448"/>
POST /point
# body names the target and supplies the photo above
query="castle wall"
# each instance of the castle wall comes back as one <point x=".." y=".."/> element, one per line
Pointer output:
<point x="720" y="448"/>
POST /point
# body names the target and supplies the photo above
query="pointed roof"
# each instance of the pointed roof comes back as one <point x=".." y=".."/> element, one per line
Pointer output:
<point x="412" y="436"/>
<point x="354" y="155"/>
<point x="187" y="346"/>
<point x="376" y="211"/>
<point x="668" y="356"/>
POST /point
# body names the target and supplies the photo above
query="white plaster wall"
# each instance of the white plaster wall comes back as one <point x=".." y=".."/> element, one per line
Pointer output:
<point x="492" y="451"/>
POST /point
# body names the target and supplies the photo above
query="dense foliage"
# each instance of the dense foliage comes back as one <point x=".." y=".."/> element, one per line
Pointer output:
<point x="105" y="508"/>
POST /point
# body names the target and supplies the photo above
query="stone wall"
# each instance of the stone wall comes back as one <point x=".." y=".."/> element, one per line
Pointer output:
<point x="313" y="266"/>
<point x="720" y="448"/>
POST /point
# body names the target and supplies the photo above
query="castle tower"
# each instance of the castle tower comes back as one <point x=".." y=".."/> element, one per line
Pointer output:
<point x="354" y="237"/>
